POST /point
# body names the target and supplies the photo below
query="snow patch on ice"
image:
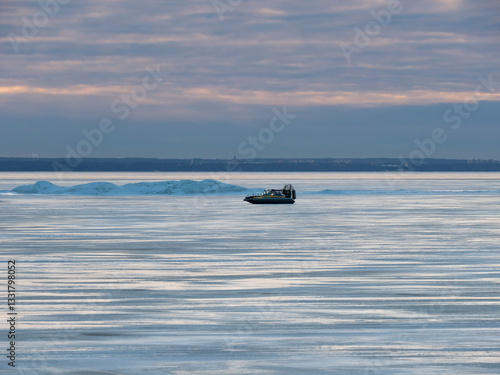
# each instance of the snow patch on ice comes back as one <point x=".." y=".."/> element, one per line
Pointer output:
<point x="182" y="187"/>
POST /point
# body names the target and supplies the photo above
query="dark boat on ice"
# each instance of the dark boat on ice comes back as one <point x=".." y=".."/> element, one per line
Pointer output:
<point x="273" y="196"/>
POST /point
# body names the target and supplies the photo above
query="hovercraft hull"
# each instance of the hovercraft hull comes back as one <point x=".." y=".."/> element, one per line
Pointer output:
<point x="258" y="200"/>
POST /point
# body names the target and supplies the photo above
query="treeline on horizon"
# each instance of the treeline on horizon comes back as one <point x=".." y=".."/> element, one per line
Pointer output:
<point x="12" y="164"/>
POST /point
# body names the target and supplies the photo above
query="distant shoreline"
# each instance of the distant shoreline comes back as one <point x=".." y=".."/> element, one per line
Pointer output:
<point x="12" y="164"/>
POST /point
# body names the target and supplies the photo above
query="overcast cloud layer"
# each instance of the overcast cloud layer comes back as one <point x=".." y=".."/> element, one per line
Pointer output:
<point x="363" y="78"/>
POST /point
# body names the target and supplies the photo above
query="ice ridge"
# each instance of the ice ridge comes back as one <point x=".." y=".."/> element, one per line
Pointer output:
<point x="182" y="187"/>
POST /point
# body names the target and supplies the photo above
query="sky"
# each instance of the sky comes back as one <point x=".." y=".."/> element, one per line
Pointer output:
<point x="250" y="78"/>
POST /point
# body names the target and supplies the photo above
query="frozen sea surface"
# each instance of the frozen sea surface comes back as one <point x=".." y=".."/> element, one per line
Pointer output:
<point x="338" y="283"/>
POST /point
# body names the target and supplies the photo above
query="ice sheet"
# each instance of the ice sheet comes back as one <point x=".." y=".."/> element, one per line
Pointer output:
<point x="209" y="284"/>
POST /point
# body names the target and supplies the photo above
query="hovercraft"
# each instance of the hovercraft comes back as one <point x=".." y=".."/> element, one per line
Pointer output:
<point x="274" y="196"/>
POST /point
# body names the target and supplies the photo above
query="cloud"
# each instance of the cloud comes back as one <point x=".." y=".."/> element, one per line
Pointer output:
<point x="261" y="55"/>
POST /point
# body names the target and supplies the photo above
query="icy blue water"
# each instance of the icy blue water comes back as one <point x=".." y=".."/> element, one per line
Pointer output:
<point x="366" y="274"/>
